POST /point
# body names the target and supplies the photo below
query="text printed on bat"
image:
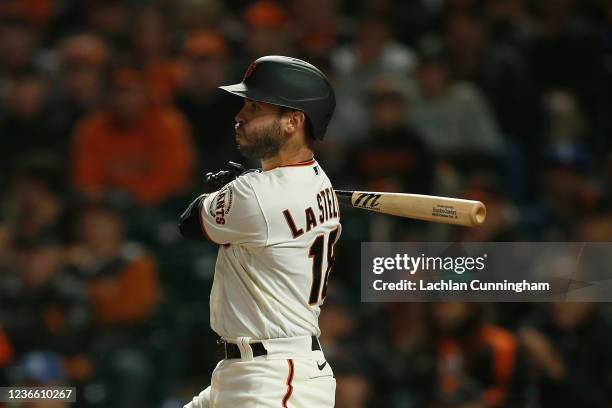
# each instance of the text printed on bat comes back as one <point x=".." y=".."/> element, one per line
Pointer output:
<point x="445" y="211"/>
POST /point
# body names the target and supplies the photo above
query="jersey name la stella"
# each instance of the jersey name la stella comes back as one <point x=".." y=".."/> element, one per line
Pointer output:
<point x="328" y="208"/>
<point x="277" y="232"/>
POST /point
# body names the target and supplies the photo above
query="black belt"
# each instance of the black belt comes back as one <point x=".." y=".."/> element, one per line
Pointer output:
<point x="231" y="350"/>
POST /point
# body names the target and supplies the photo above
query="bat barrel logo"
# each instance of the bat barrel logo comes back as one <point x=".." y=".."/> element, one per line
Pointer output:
<point x="367" y="200"/>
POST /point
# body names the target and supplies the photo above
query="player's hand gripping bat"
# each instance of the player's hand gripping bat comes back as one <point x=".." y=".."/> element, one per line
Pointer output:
<point x="420" y="207"/>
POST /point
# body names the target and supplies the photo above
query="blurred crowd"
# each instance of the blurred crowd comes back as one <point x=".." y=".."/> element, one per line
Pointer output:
<point x="110" y="115"/>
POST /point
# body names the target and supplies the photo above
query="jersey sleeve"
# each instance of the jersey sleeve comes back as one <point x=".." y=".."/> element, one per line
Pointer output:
<point x="233" y="215"/>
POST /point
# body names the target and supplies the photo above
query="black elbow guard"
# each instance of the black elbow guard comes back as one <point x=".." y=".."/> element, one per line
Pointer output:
<point x="189" y="224"/>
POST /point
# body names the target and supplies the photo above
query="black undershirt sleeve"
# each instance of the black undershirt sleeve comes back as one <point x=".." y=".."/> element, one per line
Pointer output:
<point x="189" y="223"/>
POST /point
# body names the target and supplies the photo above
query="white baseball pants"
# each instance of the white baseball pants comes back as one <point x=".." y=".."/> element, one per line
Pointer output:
<point x="280" y="379"/>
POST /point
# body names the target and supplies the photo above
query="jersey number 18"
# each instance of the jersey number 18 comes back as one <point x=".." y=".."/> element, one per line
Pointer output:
<point x="317" y="294"/>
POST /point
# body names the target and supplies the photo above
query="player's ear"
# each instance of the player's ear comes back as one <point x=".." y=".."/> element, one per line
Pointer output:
<point x="292" y="121"/>
<point x="297" y="120"/>
<point x="290" y="124"/>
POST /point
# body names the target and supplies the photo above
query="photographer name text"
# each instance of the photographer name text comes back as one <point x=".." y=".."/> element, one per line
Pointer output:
<point x="475" y="285"/>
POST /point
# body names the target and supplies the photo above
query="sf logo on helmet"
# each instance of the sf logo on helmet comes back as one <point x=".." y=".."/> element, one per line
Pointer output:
<point x="249" y="70"/>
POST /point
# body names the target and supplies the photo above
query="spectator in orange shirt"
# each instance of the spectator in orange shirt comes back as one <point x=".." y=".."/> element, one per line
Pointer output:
<point x="478" y="364"/>
<point x="121" y="277"/>
<point x="132" y="145"/>
<point x="123" y="285"/>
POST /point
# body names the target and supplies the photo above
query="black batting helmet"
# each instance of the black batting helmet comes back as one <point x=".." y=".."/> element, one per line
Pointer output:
<point x="292" y="83"/>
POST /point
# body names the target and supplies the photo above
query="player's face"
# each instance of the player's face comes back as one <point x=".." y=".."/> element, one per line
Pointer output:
<point x="258" y="130"/>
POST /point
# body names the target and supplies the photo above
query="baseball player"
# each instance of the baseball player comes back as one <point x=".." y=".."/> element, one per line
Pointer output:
<point x="276" y="229"/>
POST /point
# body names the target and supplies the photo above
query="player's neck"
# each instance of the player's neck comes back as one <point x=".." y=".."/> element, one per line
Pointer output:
<point x="287" y="158"/>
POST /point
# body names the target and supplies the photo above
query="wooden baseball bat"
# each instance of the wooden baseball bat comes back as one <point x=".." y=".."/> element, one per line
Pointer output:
<point x="420" y="207"/>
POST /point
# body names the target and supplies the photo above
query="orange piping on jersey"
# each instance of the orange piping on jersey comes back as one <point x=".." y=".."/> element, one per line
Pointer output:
<point x="202" y="227"/>
<point x="289" y="386"/>
<point x="304" y="163"/>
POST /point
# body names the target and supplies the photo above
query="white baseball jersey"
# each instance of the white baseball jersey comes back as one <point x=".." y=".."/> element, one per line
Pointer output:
<point x="276" y="230"/>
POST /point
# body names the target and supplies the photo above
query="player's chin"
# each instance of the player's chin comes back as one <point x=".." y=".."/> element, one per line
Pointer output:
<point x="242" y="146"/>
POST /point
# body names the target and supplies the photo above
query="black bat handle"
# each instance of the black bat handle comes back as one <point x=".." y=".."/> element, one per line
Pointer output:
<point x="344" y="197"/>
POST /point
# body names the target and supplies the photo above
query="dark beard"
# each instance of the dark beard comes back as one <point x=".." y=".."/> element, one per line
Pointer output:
<point x="263" y="142"/>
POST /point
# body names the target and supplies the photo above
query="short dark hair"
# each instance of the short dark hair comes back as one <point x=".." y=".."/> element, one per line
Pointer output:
<point x="307" y="125"/>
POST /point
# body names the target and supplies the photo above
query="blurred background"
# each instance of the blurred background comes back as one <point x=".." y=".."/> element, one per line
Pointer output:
<point x="110" y="116"/>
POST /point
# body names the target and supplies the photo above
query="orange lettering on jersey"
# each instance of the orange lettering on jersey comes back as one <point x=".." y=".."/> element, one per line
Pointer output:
<point x="220" y="208"/>
<point x="294" y="230"/>
<point x="310" y="219"/>
<point x="321" y="211"/>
